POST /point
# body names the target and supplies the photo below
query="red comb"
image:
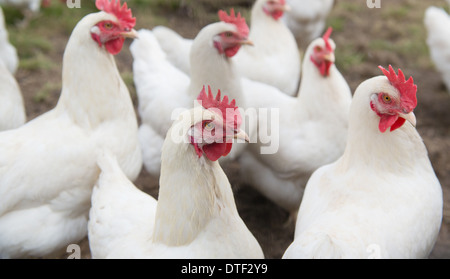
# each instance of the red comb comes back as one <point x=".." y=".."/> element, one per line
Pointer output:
<point x="122" y="13"/>
<point x="208" y="101"/>
<point x="407" y="88"/>
<point x="236" y="20"/>
<point x="326" y="36"/>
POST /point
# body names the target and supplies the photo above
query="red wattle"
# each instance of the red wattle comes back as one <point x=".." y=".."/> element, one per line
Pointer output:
<point x="114" y="46"/>
<point x="387" y="121"/>
<point x="231" y="51"/>
<point x="215" y="150"/>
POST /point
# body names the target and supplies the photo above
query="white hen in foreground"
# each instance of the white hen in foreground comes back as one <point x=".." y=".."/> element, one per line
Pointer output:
<point x="437" y="23"/>
<point x="311" y="129"/>
<point x="48" y="166"/>
<point x="195" y="215"/>
<point x="163" y="90"/>
<point x="274" y="59"/>
<point x="381" y="199"/>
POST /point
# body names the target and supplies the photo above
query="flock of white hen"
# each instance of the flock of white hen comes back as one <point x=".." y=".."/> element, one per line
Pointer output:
<point x="351" y="169"/>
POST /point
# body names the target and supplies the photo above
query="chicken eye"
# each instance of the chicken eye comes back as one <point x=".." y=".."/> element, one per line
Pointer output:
<point x="317" y="49"/>
<point x="208" y="126"/>
<point x="107" y="25"/>
<point x="386" y="98"/>
<point x="228" y="34"/>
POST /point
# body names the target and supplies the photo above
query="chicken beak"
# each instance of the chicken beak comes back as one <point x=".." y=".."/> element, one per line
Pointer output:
<point x="246" y="42"/>
<point x="240" y="134"/>
<point x="329" y="57"/>
<point x="133" y="34"/>
<point x="410" y="117"/>
<point x="286" y="8"/>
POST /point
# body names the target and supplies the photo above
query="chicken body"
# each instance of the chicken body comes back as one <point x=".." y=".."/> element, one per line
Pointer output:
<point x="274" y="59"/>
<point x="436" y="21"/>
<point x="381" y="199"/>
<point x="307" y="19"/>
<point x="12" y="110"/>
<point x="165" y="91"/>
<point x="48" y="166"/>
<point x="311" y="131"/>
<point x="8" y="53"/>
<point x="195" y="215"/>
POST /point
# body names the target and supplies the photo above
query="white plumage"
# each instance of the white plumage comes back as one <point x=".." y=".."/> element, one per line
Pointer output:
<point x="438" y="40"/>
<point x="8" y="53"/>
<point x="274" y="59"/>
<point x="381" y="199"/>
<point x="164" y="91"/>
<point x="161" y="89"/>
<point x="195" y="215"/>
<point x="12" y="110"/>
<point x="176" y="47"/>
<point x="311" y="131"/>
<point x="48" y="166"/>
<point x="307" y="19"/>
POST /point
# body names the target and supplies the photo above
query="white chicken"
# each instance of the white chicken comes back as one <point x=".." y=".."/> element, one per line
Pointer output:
<point x="438" y="40"/>
<point x="176" y="48"/>
<point x="195" y="215"/>
<point x="307" y="19"/>
<point x="309" y="131"/>
<point x="30" y="5"/>
<point x="8" y="53"/>
<point x="48" y="166"/>
<point x="164" y="90"/>
<point x="275" y="48"/>
<point x="12" y="109"/>
<point x="381" y="199"/>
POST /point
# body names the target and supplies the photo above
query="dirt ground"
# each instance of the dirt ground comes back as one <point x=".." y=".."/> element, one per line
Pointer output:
<point x="366" y="38"/>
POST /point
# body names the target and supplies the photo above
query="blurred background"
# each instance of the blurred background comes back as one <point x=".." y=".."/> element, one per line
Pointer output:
<point x="392" y="34"/>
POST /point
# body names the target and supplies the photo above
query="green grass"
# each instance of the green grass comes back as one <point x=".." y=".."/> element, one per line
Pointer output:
<point x="347" y="57"/>
<point x="44" y="93"/>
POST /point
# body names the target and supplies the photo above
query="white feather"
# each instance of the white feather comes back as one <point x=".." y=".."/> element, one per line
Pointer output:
<point x="438" y="40"/>
<point x="311" y="129"/>
<point x="195" y="215"/>
<point x="380" y="199"/>
<point x="274" y="59"/>
<point x="48" y="166"/>
<point x="307" y="19"/>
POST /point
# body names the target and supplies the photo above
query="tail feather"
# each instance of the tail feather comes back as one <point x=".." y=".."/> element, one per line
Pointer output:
<point x="118" y="209"/>
<point x="322" y="245"/>
<point x="318" y="246"/>
<point x="107" y="162"/>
